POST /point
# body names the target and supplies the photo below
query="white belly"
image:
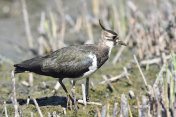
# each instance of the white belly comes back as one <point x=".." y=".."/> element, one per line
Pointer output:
<point x="92" y="68"/>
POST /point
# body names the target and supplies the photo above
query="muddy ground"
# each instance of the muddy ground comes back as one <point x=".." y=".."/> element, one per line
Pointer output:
<point x="14" y="48"/>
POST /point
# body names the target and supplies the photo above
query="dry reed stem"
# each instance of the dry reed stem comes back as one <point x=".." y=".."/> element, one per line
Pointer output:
<point x="96" y="9"/>
<point x="111" y="88"/>
<point x="62" y="32"/>
<point x="84" y="94"/>
<point x="32" y="114"/>
<point x="49" y="115"/>
<point x="28" y="100"/>
<point x="103" y="111"/>
<point x="43" y="45"/>
<point x="89" y="31"/>
<point x="78" y="24"/>
<point x="27" y="25"/>
<point x="114" y="113"/>
<point x="92" y="86"/>
<point x="107" y="112"/>
<point x="137" y="63"/>
<point x="98" y="112"/>
<point x="15" y="104"/>
<point x="69" y="19"/>
<point x="60" y="41"/>
<point x="139" y="107"/>
<point x="5" y="109"/>
<point x="123" y="74"/>
<point x="54" y="114"/>
<point x="38" y="108"/>
<point x="41" y="29"/>
<point x="124" y="106"/>
<point x="116" y="19"/>
<point x="143" y="107"/>
<point x="88" y="25"/>
<point x="159" y="76"/>
<point x="156" y="60"/>
<point x="56" y="87"/>
<point x="130" y="113"/>
<point x="64" y="111"/>
<point x="25" y="83"/>
<point x="132" y="6"/>
<point x="90" y="103"/>
<point x="127" y="75"/>
<point x="31" y="79"/>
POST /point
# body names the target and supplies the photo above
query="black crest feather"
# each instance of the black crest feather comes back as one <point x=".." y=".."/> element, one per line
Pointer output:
<point x="110" y="31"/>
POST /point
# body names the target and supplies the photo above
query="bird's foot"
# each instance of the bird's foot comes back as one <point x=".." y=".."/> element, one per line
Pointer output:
<point x="87" y="99"/>
<point x="71" y="104"/>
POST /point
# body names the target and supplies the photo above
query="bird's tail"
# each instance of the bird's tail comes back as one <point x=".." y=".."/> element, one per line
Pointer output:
<point x="19" y="69"/>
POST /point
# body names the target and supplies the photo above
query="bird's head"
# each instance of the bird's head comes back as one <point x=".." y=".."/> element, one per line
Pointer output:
<point x="109" y="37"/>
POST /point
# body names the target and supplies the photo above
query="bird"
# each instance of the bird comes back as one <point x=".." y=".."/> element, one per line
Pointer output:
<point x="73" y="62"/>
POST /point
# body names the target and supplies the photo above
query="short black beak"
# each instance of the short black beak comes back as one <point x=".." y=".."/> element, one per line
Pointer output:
<point x="121" y="43"/>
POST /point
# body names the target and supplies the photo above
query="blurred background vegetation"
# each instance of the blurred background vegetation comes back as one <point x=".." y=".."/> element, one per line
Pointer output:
<point x="31" y="28"/>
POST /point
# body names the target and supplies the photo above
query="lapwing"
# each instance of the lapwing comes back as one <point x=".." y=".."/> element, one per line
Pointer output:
<point x="73" y="62"/>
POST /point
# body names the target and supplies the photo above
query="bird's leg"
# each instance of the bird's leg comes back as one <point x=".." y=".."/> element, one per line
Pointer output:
<point x="69" y="98"/>
<point x="73" y="90"/>
<point x="74" y="94"/>
<point x="87" y="89"/>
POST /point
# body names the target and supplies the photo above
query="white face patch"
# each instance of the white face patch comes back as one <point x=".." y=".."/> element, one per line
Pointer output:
<point x="110" y="44"/>
<point x="93" y="67"/>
